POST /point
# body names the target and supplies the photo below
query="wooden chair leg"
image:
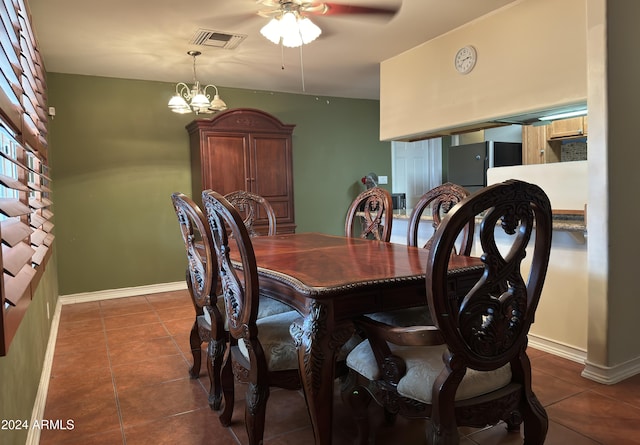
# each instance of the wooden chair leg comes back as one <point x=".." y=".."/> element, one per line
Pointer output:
<point x="514" y="421"/>
<point x="536" y="422"/>
<point x="439" y="434"/>
<point x="196" y="351"/>
<point x="215" y="353"/>
<point x="228" y="391"/>
<point x="534" y="416"/>
<point x="255" y="411"/>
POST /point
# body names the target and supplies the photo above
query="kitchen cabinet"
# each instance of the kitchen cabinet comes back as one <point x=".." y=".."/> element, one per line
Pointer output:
<point x="536" y="148"/>
<point x="543" y="144"/>
<point x="245" y="149"/>
<point x="568" y="128"/>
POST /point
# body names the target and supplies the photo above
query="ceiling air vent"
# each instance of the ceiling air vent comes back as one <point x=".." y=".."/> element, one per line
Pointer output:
<point x="218" y="39"/>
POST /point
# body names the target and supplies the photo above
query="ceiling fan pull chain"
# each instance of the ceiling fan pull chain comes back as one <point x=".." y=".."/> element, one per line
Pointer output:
<point x="282" y="55"/>
<point x="302" y="69"/>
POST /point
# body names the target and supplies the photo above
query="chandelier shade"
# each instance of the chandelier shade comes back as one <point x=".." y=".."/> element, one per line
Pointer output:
<point x="291" y="29"/>
<point x="195" y="98"/>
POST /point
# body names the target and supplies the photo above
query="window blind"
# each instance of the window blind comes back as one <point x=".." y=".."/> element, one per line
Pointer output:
<point x="26" y="227"/>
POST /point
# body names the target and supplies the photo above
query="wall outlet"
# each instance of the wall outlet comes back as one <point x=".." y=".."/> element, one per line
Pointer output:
<point x="383" y="180"/>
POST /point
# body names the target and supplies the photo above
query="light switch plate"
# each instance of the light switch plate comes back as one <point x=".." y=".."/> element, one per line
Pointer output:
<point x="383" y="180"/>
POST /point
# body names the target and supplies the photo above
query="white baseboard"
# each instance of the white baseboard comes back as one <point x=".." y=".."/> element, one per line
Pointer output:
<point x="610" y="375"/>
<point x="37" y="414"/>
<point x="607" y="375"/>
<point x="559" y="349"/>
<point x="108" y="294"/>
<point x="33" y="436"/>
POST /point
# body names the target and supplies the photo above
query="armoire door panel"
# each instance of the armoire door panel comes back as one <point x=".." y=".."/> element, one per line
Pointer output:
<point x="225" y="165"/>
<point x="272" y="177"/>
<point x="282" y="210"/>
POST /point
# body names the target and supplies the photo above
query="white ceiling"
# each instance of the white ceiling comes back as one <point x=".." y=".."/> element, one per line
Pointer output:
<point x="149" y="39"/>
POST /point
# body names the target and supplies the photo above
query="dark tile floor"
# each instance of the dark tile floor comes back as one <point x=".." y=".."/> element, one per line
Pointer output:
<point x="120" y="372"/>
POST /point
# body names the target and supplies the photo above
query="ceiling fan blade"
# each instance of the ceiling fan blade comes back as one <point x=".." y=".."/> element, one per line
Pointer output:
<point x="269" y="13"/>
<point x="269" y="3"/>
<point x="339" y="9"/>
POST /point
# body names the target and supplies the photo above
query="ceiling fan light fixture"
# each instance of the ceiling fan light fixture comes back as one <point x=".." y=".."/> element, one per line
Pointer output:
<point x="309" y="31"/>
<point x="291" y="29"/>
<point x="271" y="31"/>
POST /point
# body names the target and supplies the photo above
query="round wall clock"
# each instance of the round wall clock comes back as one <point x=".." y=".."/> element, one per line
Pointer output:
<point x="465" y="59"/>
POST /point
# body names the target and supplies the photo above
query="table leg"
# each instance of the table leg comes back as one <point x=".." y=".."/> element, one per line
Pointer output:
<point x="318" y="339"/>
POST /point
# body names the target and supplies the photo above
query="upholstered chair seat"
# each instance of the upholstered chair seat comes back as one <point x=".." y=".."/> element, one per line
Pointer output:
<point x="414" y="316"/>
<point x="424" y="364"/>
<point x="268" y="306"/>
<point x="279" y="348"/>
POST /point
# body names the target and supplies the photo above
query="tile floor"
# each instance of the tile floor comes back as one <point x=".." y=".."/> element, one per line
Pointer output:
<point x="120" y="372"/>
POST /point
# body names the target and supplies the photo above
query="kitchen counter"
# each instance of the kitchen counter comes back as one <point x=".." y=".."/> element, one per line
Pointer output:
<point x="563" y="221"/>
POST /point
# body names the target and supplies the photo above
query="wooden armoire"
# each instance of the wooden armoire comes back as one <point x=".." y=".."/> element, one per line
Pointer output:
<point x="245" y="149"/>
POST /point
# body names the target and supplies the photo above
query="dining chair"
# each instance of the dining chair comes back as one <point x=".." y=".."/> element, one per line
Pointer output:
<point x="373" y="208"/>
<point x="207" y="328"/>
<point x="210" y="324"/>
<point x="470" y="368"/>
<point x="262" y="352"/>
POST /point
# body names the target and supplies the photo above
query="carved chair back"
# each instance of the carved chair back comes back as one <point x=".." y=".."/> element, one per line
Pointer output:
<point x="488" y="327"/>
<point x="201" y="284"/>
<point x="373" y="208"/>
<point x="441" y="199"/>
<point x="198" y="245"/>
<point x="252" y="207"/>
<point x="240" y="292"/>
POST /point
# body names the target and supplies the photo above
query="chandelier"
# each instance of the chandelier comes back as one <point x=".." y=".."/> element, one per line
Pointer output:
<point x="291" y="28"/>
<point x="195" y="98"/>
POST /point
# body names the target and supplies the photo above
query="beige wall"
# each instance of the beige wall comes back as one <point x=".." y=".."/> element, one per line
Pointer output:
<point x="531" y="56"/>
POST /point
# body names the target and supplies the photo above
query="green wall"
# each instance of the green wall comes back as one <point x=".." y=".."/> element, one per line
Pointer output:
<point x="20" y="369"/>
<point x="117" y="154"/>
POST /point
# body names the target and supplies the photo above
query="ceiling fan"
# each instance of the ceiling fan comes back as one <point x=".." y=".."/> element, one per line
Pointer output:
<point x="323" y="8"/>
<point x="290" y="25"/>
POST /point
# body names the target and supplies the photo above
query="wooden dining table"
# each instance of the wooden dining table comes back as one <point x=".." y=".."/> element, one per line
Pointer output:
<point x="331" y="279"/>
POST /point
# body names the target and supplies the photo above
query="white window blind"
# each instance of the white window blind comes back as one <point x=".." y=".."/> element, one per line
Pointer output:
<point x="25" y="184"/>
